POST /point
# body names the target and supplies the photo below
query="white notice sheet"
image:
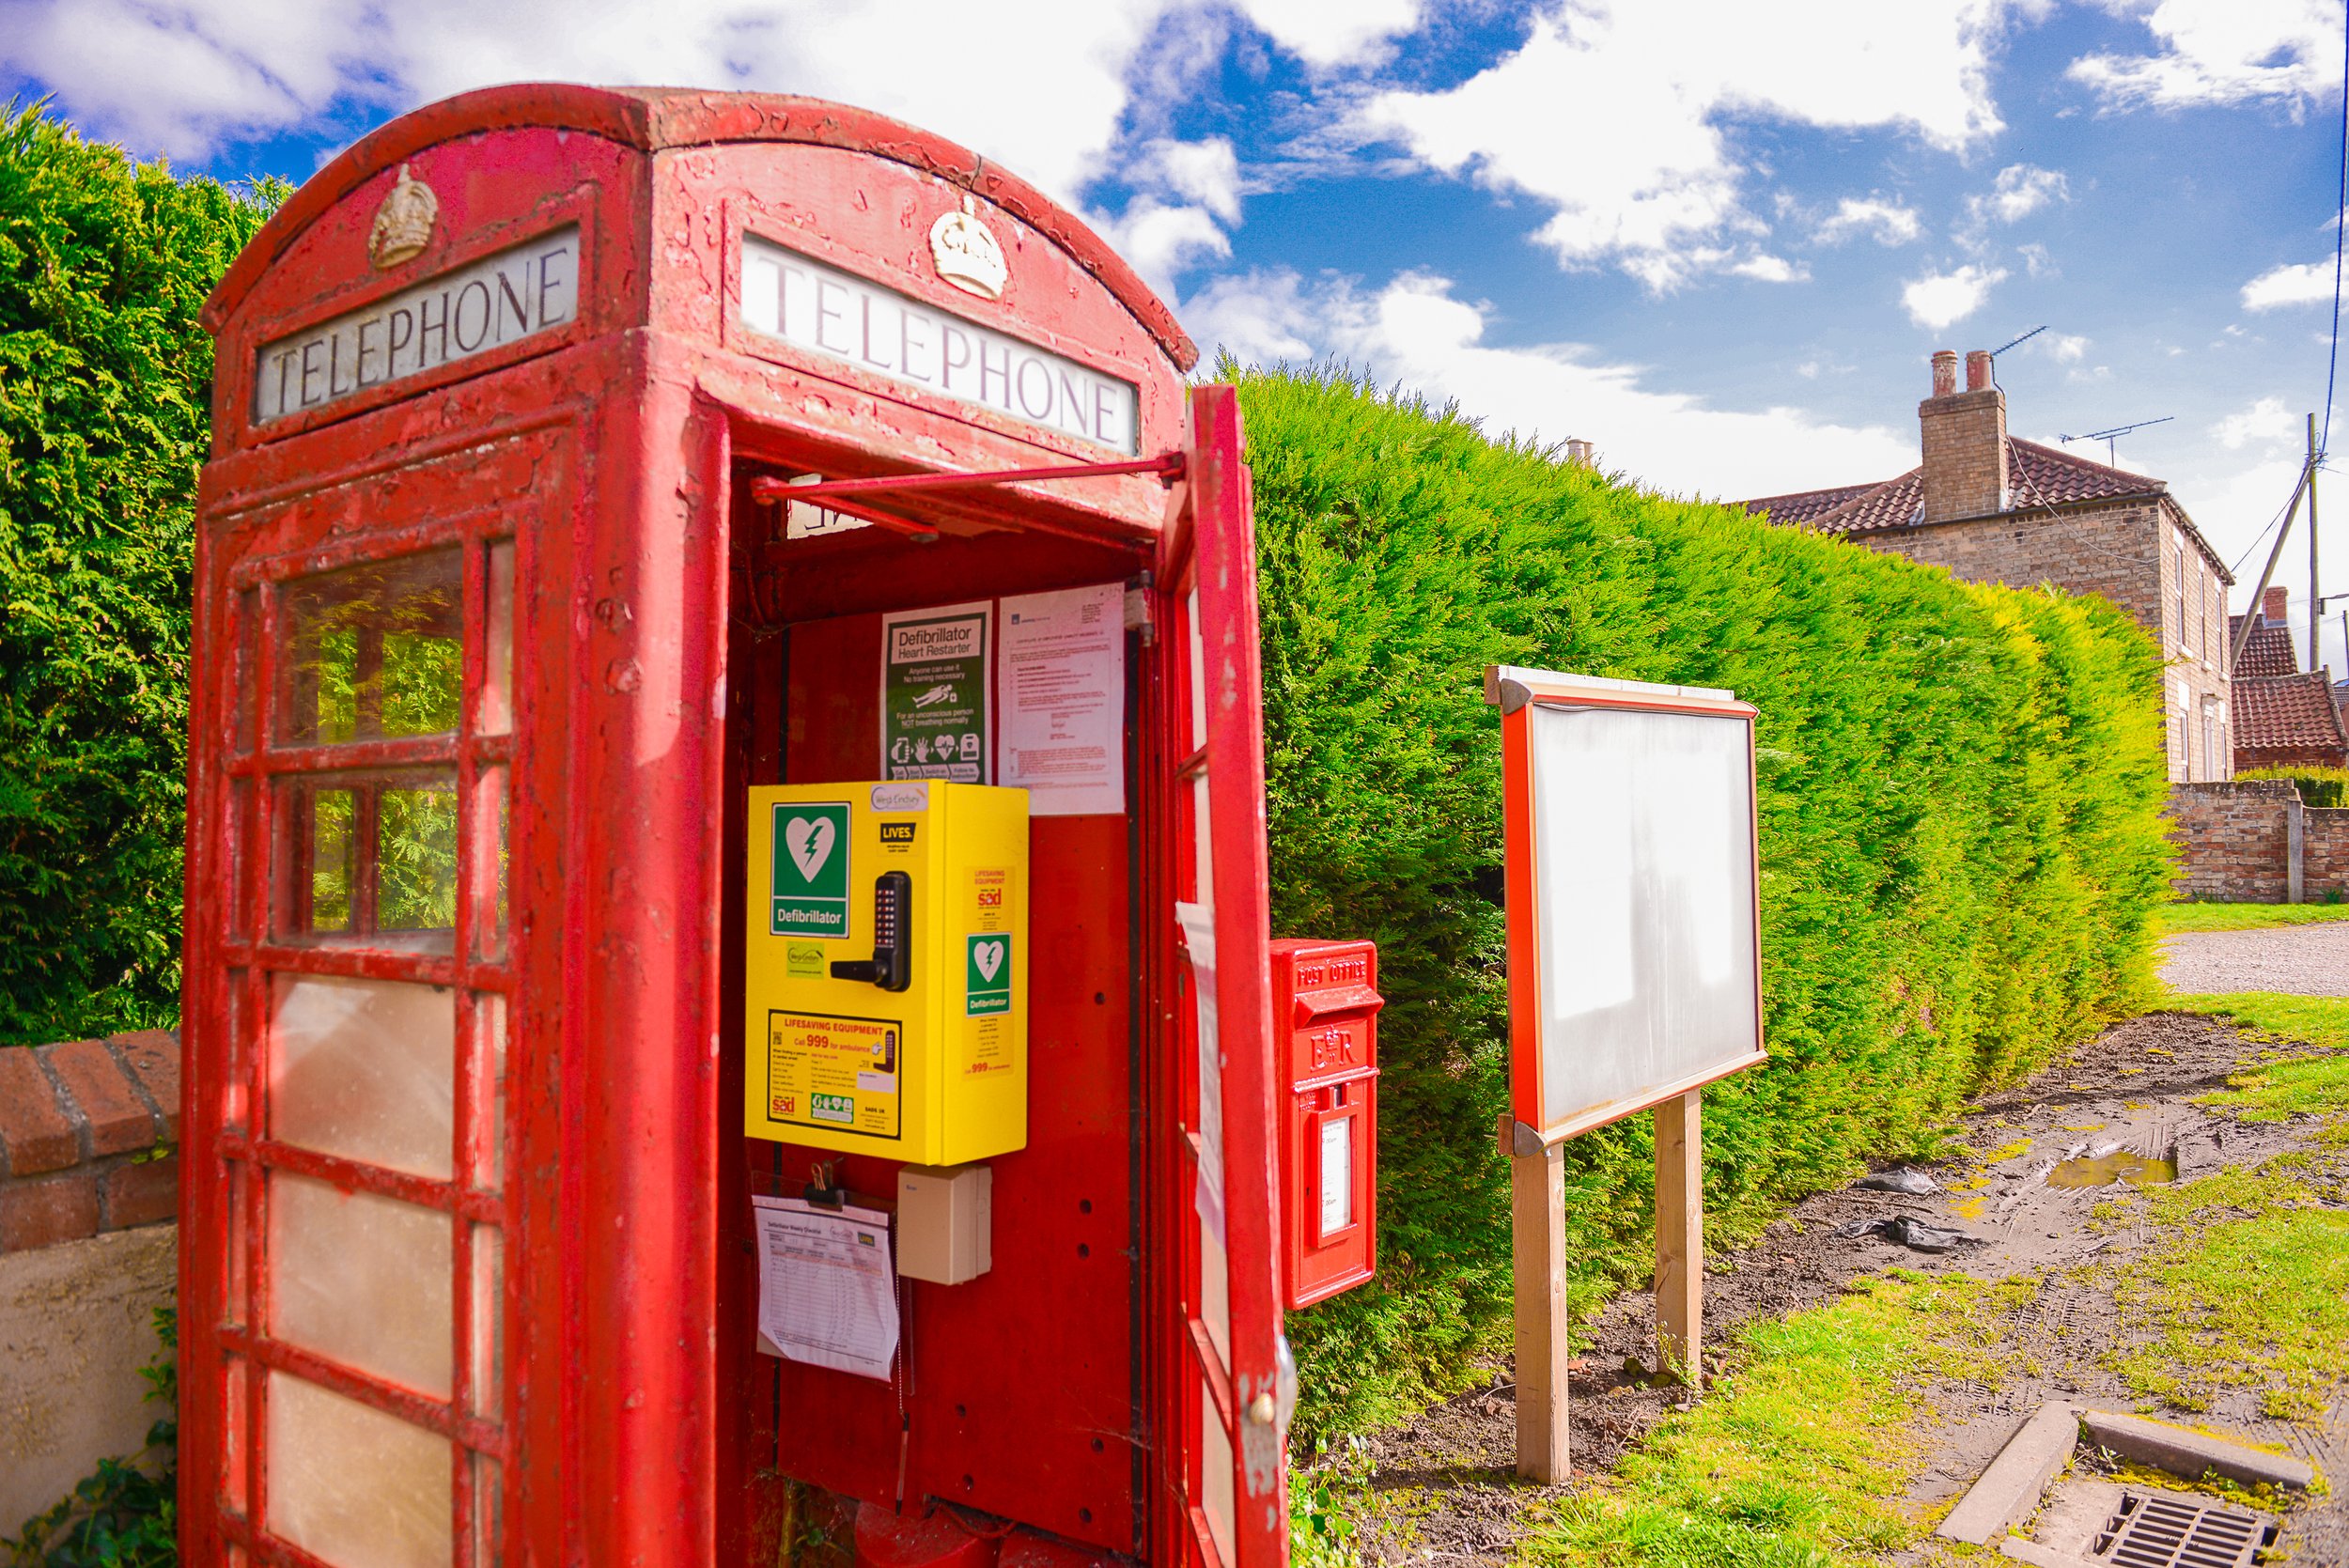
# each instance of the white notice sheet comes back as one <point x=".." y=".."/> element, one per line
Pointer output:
<point x="1062" y="689"/>
<point x="827" y="1289"/>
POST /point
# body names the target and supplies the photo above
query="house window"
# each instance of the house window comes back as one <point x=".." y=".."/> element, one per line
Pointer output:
<point x="2178" y="773"/>
<point x="2213" y="767"/>
<point x="2185" y="639"/>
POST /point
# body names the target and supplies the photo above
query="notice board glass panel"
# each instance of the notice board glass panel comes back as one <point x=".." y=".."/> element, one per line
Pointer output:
<point x="1643" y="834"/>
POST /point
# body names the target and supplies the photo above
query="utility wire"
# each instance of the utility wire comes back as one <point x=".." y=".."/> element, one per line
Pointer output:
<point x="2341" y="236"/>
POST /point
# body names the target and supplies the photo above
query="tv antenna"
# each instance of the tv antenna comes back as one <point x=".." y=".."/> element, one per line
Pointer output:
<point x="2013" y="341"/>
<point x="2110" y="436"/>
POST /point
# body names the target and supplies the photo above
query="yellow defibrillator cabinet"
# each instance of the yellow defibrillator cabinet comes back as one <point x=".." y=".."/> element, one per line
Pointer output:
<point x="886" y="980"/>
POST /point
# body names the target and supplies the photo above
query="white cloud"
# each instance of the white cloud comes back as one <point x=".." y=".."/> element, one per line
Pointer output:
<point x="1206" y="172"/>
<point x="1613" y="114"/>
<point x="1771" y="269"/>
<point x="2020" y="190"/>
<point x="2289" y="285"/>
<point x="1888" y="223"/>
<point x="1415" y="331"/>
<point x="1043" y="96"/>
<point x="2267" y="422"/>
<point x="2036" y="261"/>
<point x="1939" y="300"/>
<point x="1259" y="317"/>
<point x="2221" y="51"/>
<point x="1324" y="35"/>
<point x="1160" y="242"/>
<point x="2064" y="348"/>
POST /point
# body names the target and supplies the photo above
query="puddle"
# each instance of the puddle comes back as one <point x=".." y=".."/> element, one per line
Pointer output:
<point x="2119" y="1165"/>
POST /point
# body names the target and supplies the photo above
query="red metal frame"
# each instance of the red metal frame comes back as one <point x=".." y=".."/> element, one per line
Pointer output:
<point x="618" y="454"/>
<point x="1517" y="771"/>
<point x="1207" y="570"/>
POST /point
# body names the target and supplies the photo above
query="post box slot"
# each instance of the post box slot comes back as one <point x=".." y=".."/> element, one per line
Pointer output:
<point x="1336" y="998"/>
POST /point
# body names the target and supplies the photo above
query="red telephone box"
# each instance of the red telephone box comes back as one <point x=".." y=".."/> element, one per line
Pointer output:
<point x="498" y="619"/>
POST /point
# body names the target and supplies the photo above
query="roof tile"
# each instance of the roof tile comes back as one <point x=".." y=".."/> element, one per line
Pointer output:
<point x="2286" y="711"/>
<point x="2040" y="476"/>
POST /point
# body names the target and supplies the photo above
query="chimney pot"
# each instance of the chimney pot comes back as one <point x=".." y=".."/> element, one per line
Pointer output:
<point x="1978" y="370"/>
<point x="1581" y="452"/>
<point x="1944" y="372"/>
<point x="2273" y="605"/>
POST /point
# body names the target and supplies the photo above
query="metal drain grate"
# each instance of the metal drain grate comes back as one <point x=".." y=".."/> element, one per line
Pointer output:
<point x="2165" y="1531"/>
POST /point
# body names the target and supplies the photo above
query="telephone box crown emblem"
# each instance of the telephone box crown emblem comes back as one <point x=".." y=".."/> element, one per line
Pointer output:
<point x="403" y="225"/>
<point x="967" y="256"/>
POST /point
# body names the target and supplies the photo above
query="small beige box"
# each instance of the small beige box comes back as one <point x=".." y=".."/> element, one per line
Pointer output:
<point x="945" y="1221"/>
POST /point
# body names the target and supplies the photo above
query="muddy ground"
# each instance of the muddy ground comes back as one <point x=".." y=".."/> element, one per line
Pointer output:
<point x="2131" y="1085"/>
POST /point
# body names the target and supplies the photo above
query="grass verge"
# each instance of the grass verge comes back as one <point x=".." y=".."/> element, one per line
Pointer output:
<point x="1796" y="1456"/>
<point x="2170" y="918"/>
<point x="2246" y="1288"/>
<point x="2305" y="1086"/>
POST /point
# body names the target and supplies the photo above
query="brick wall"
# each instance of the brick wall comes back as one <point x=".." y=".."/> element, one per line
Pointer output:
<point x="89" y="1131"/>
<point x="2325" y="852"/>
<point x="2235" y="843"/>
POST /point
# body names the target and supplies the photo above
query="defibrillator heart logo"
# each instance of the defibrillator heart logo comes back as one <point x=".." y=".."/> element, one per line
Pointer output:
<point x="989" y="958"/>
<point x="810" y="843"/>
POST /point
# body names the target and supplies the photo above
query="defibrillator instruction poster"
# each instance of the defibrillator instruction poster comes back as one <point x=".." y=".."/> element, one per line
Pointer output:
<point x="827" y="1284"/>
<point x="936" y="717"/>
<point x="827" y="1071"/>
<point x="1063" y="675"/>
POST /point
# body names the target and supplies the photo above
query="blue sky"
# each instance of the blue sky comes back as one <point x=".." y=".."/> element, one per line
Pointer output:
<point x="1717" y="240"/>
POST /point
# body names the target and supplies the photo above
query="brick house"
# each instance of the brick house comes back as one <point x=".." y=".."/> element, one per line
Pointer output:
<point x="2284" y="717"/>
<point x="1994" y="509"/>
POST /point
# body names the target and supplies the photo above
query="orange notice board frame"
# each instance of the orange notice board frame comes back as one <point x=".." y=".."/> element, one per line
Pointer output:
<point x="1518" y="693"/>
<point x="1534" y="1129"/>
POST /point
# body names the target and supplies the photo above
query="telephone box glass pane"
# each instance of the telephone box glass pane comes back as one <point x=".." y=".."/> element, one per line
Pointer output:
<point x="365" y="1069"/>
<point x="353" y="1486"/>
<point x="490" y="865"/>
<point x="494" y="713"/>
<point x="373" y="652"/>
<point x="243" y="636"/>
<point x="488" y="1510"/>
<point x="415" y="856"/>
<point x="1216" y="1499"/>
<point x="322" y="855"/>
<point x="1337" y="1174"/>
<point x="370" y="859"/>
<point x="362" y="1280"/>
<point x="488" y="1319"/>
<point x="489" y="1015"/>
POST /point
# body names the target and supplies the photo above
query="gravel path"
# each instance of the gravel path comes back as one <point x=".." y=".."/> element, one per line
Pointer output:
<point x="2307" y="960"/>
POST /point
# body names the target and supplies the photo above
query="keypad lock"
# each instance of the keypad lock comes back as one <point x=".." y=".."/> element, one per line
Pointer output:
<point x="891" y="968"/>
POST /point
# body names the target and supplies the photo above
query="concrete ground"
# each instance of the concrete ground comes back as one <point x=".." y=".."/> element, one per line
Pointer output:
<point x="2305" y="960"/>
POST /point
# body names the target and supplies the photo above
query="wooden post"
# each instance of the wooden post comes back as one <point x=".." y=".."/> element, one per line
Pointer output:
<point x="1538" y="1217"/>
<point x="1679" y="1238"/>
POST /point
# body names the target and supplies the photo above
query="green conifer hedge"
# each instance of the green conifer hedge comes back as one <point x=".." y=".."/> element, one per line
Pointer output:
<point x="105" y="415"/>
<point x="1961" y="847"/>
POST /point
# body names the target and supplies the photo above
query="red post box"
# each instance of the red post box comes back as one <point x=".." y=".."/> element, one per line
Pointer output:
<point x="1324" y="1006"/>
<point x="576" y="454"/>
